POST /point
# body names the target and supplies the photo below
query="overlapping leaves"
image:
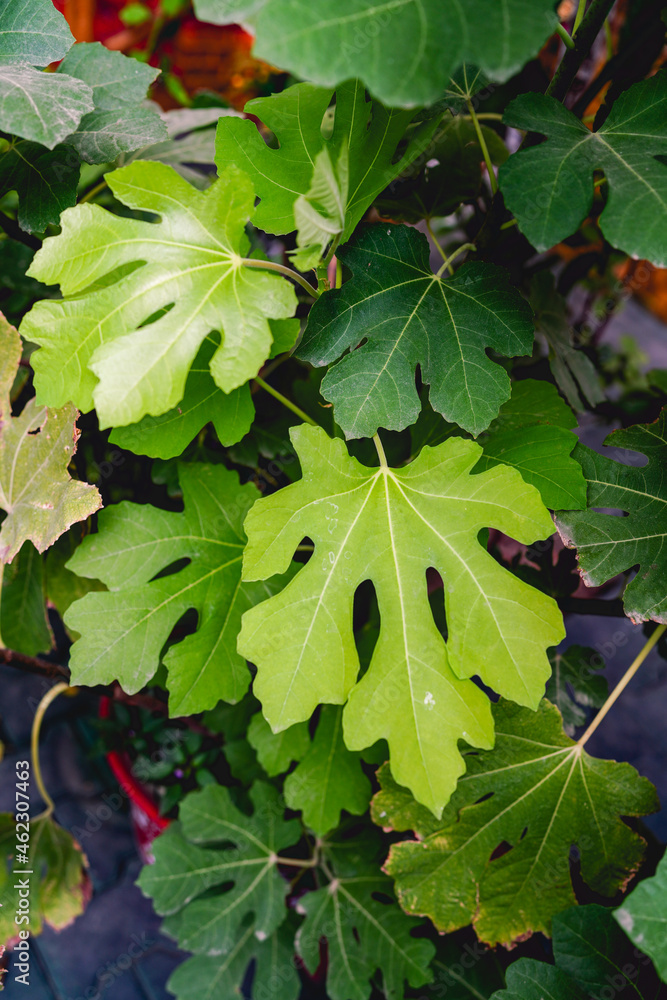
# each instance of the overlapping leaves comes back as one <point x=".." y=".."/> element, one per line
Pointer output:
<point x="123" y="631"/>
<point x="607" y="543"/>
<point x="320" y="180"/>
<point x="643" y="917"/>
<point x="37" y="494"/>
<point x="536" y="794"/>
<point x="404" y="315"/>
<point x="391" y="526"/>
<point x="380" y="43"/>
<point x="550" y="187"/>
<point x="140" y="297"/>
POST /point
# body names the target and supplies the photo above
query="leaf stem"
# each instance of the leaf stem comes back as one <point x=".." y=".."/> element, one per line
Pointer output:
<point x="380" y="450"/>
<point x="482" y="142"/>
<point x="586" y="33"/>
<point x="50" y="696"/>
<point x="453" y="256"/>
<point x="564" y="35"/>
<point x="270" y="265"/>
<point x="623" y="683"/>
<point x="490" y="116"/>
<point x="89" y="195"/>
<point x="285" y="401"/>
<point x="581" y="9"/>
<point x="436" y="242"/>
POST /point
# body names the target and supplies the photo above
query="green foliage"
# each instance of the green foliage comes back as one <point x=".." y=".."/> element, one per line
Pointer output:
<point x="391" y="525"/>
<point x="24" y="624"/>
<point x="123" y="631"/>
<point x="32" y="31"/>
<point x="37" y="494"/>
<point x="408" y="316"/>
<point x="643" y="917"/>
<point x="576" y="684"/>
<point x="550" y="187"/>
<point x="144" y="295"/>
<point x="608" y="544"/>
<point x="552" y="795"/>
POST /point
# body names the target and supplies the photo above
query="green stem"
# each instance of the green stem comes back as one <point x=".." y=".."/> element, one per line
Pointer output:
<point x="89" y="195"/>
<point x="564" y="36"/>
<point x="50" y="696"/>
<point x="623" y="683"/>
<point x="380" y="450"/>
<point x="488" y="116"/>
<point x="482" y="142"/>
<point x="436" y="242"/>
<point x="570" y="64"/>
<point x="285" y="401"/>
<point x="581" y="9"/>
<point x="509" y="224"/>
<point x="457" y="253"/>
<point x="269" y="265"/>
<point x="339" y="273"/>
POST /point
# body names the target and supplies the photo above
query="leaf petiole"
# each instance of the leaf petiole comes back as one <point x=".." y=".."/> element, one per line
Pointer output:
<point x="380" y="450"/>
<point x="40" y="712"/>
<point x="285" y="401"/>
<point x="623" y="683"/>
<point x="482" y="143"/>
<point x="270" y="265"/>
<point x="457" y="253"/>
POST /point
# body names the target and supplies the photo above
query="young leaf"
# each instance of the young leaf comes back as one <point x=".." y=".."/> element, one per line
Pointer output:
<point x="276" y="751"/>
<point x="57" y="873"/>
<point x="533" y="434"/>
<point x="45" y="180"/>
<point x="140" y="297"/>
<point x="390" y="526"/>
<point x="405" y="53"/>
<point x="212" y="977"/>
<point x="607" y="544"/>
<point x="358" y="159"/>
<point x="37" y="493"/>
<point x="643" y="917"/>
<point x="244" y="861"/>
<point x="549" y="187"/>
<point x="364" y="935"/>
<point x="42" y="107"/>
<point x="24" y="625"/>
<point x="551" y="795"/>
<point x="124" y="630"/>
<point x="574" y="684"/>
<point x="573" y="370"/>
<point x="408" y="316"/>
<point x="33" y="31"/>
<point x="329" y="777"/>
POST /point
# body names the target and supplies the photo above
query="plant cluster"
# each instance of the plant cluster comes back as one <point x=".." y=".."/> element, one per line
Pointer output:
<point x="327" y="401"/>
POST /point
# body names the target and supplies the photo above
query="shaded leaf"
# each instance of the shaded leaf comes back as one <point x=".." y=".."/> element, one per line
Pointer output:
<point x="607" y="544"/>
<point x="63" y="587"/>
<point x="38" y="495"/>
<point x="643" y="917"/>
<point x="407" y="316"/>
<point x="549" y="187"/>
<point x="244" y="862"/>
<point x="552" y="795"/>
<point x="116" y="79"/>
<point x="533" y="434"/>
<point x="142" y="296"/>
<point x="45" y="180"/>
<point x="24" y="625"/>
<point x="329" y="777"/>
<point x="391" y="526"/>
<point x="276" y="751"/>
<point x="575" y="684"/>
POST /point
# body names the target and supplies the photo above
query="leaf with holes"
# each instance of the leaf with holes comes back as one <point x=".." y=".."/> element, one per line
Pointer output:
<point x="341" y="168"/>
<point x="504" y="840"/>
<point x="38" y="495"/>
<point x="391" y="526"/>
<point x="124" y="630"/>
<point x="549" y="187"/>
<point x="140" y="297"/>
<point x="607" y="544"/>
<point x="242" y="866"/>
